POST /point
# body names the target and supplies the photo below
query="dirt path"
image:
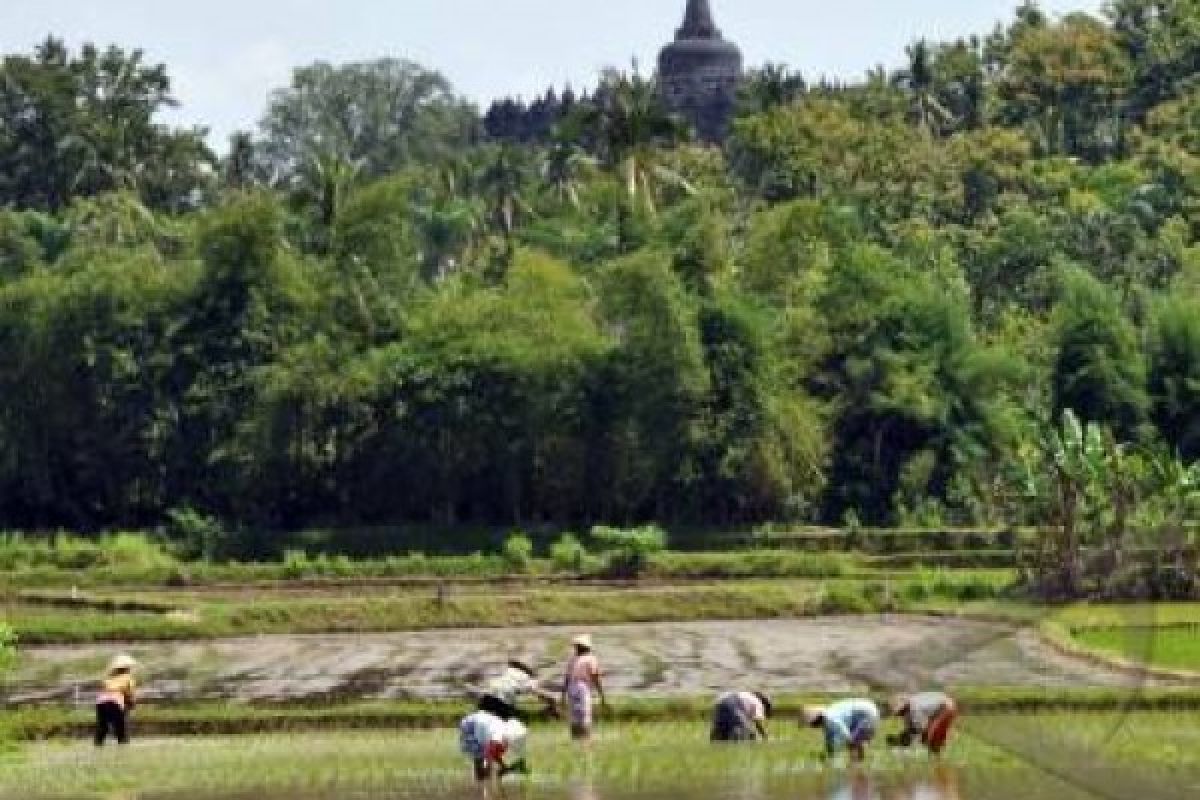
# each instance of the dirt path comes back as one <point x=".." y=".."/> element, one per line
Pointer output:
<point x="827" y="654"/>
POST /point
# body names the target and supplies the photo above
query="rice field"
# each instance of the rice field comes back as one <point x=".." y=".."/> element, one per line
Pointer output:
<point x="1164" y="635"/>
<point x="1175" y="647"/>
<point x="1046" y="757"/>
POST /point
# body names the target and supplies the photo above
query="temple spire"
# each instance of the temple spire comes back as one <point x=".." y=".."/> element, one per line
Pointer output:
<point x="698" y="22"/>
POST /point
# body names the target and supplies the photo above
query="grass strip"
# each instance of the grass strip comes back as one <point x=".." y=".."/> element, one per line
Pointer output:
<point x="365" y="613"/>
<point x="46" y="722"/>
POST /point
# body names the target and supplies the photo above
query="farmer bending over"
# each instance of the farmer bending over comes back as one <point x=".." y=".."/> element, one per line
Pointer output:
<point x="850" y="724"/>
<point x="116" y="699"/>
<point x="501" y="694"/>
<point x="928" y="716"/>
<point x="741" y="717"/>
<point x="488" y="741"/>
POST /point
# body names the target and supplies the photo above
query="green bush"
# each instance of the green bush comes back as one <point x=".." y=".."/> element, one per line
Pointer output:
<point x="8" y="657"/>
<point x="568" y="554"/>
<point x="134" y="550"/>
<point x="198" y="537"/>
<point x="296" y="564"/>
<point x="8" y="648"/>
<point x="627" y="551"/>
<point x="518" y="552"/>
<point x="844" y="600"/>
<point x="121" y="550"/>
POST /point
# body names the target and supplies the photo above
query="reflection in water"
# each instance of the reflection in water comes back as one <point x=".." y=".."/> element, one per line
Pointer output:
<point x="584" y="791"/>
<point x="943" y="785"/>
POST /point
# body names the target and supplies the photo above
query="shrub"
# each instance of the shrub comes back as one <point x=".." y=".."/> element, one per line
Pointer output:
<point x="568" y="554"/>
<point x="122" y="550"/>
<point x="843" y="600"/>
<point x="134" y="550"/>
<point x="518" y="552"/>
<point x="8" y="648"/>
<point x="8" y="657"/>
<point x="296" y="564"/>
<point x="198" y="537"/>
<point x="627" y="551"/>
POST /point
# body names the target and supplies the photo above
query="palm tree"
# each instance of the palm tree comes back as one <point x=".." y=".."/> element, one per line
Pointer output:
<point x="322" y="185"/>
<point x="450" y="228"/>
<point x="633" y="128"/>
<point x="240" y="168"/>
<point x="919" y="79"/>
<point x="501" y="183"/>
<point x="770" y="87"/>
<point x="449" y="219"/>
<point x="563" y="165"/>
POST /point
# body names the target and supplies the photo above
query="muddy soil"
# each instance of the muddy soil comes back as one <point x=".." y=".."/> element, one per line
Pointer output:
<point x="835" y="654"/>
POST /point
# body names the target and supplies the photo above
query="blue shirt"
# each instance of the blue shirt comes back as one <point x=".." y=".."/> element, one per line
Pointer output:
<point x="849" y="723"/>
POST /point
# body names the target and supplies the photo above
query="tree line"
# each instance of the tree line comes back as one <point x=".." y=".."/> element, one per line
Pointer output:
<point x="878" y="302"/>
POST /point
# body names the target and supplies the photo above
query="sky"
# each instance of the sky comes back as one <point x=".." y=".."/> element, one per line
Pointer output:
<point x="225" y="56"/>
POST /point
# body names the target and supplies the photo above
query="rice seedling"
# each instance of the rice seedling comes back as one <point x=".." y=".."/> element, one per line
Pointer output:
<point x="628" y="760"/>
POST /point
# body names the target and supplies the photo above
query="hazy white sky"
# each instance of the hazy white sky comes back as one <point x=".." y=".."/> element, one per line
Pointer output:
<point x="226" y="55"/>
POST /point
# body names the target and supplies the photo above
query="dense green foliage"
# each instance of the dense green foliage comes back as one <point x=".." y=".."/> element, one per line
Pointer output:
<point x="865" y="309"/>
<point x="74" y="126"/>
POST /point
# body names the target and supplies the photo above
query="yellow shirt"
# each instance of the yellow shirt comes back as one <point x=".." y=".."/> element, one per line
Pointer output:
<point x="119" y="689"/>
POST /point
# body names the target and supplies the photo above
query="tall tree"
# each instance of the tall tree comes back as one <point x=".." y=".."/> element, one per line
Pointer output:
<point x="79" y="125"/>
<point x="1162" y="38"/>
<point x="1175" y="376"/>
<point x="383" y="114"/>
<point x="1067" y="81"/>
<point x="1100" y="374"/>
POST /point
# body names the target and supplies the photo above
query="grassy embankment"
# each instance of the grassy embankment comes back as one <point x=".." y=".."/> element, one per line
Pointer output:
<point x="995" y="757"/>
<point x="56" y="618"/>
<point x="134" y="560"/>
<point x="223" y="718"/>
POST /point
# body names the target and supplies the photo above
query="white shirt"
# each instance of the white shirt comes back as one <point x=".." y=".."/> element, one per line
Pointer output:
<point x="511" y="684"/>
<point x="482" y="729"/>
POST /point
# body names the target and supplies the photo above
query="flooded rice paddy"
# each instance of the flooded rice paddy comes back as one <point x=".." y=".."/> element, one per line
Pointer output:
<point x="831" y="654"/>
<point x="1055" y="757"/>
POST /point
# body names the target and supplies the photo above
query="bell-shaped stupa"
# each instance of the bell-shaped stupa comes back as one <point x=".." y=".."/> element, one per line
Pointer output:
<point x="699" y="73"/>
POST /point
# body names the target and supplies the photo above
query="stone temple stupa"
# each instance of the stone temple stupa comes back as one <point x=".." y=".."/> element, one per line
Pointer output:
<point x="699" y="73"/>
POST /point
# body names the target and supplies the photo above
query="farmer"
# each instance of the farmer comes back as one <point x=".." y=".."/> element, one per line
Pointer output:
<point x="500" y="695"/>
<point x="928" y="716"/>
<point x="850" y="724"/>
<point x="116" y="699"/>
<point x="489" y="740"/>
<point x="741" y="717"/>
<point x="583" y="675"/>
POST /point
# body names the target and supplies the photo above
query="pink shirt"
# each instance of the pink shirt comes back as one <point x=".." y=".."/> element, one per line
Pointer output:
<point x="583" y="669"/>
<point x="751" y="706"/>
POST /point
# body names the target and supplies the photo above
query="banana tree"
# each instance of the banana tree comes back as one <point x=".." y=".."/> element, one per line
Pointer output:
<point x="1064" y="474"/>
<point x="1178" y="493"/>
